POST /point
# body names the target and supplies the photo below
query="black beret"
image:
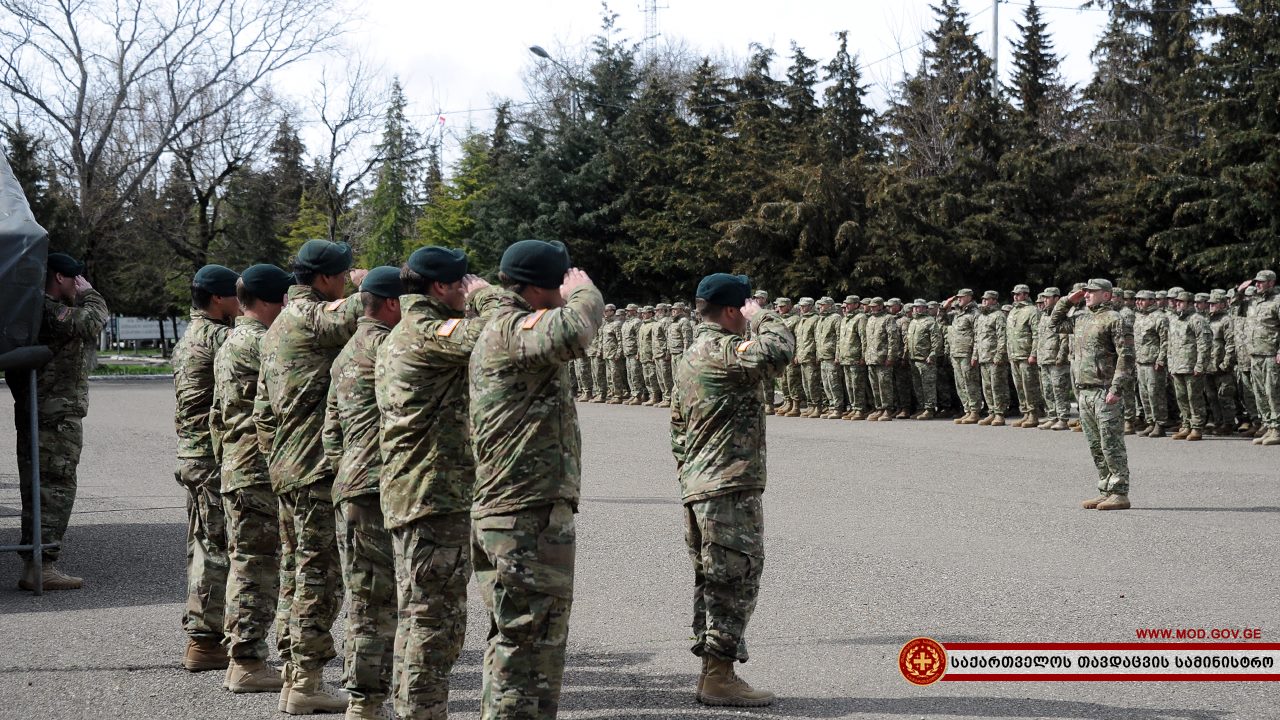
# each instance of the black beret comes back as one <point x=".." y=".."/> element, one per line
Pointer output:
<point x="324" y="257"/>
<point x="536" y="262"/>
<point x="438" y="264"/>
<point x="383" y="281"/>
<point x="724" y="289"/>
<point x="267" y="283"/>
<point x="216" y="279"/>
<point x="65" y="264"/>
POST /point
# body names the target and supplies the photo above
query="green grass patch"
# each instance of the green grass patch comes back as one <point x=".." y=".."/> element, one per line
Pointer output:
<point x="111" y="370"/>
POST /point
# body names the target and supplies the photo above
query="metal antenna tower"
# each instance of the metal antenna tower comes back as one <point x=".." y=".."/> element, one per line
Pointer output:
<point x="650" y="9"/>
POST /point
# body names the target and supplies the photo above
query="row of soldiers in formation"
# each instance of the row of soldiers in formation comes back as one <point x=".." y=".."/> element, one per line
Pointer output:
<point x="877" y="359"/>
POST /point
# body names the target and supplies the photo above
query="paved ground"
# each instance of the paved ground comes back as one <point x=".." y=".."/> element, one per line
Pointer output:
<point x="876" y="533"/>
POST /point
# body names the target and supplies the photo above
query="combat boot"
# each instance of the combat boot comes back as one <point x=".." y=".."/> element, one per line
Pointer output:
<point x="925" y="415"/>
<point x="1117" y="501"/>
<point x="903" y="415"/>
<point x="1194" y="435"/>
<point x="1128" y="428"/>
<point x="986" y="420"/>
<point x="308" y="695"/>
<point x="204" y="654"/>
<point x="875" y="415"/>
<point x="723" y="687"/>
<point x="834" y="415"/>
<point x="970" y="418"/>
<point x="997" y="420"/>
<point x="1077" y="427"/>
<point x="251" y="676"/>
<point x="857" y="415"/>
<point x="1182" y="434"/>
<point x="1245" y="427"/>
<point x="1074" y="423"/>
<point x="1029" y="421"/>
<point x="1094" y="502"/>
<point x="1060" y="425"/>
<point x="702" y="676"/>
<point x="667" y="403"/>
<point x="1272" y="439"/>
<point x="1046" y="424"/>
<point x="366" y="709"/>
<point x="886" y="416"/>
<point x="1157" y="431"/>
<point x="768" y="409"/>
<point x="613" y="401"/>
<point x="51" y="578"/>
<point x="793" y="411"/>
<point x="286" y="676"/>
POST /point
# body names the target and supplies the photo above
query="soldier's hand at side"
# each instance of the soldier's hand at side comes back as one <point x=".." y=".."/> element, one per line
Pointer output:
<point x="358" y="275"/>
<point x="1031" y="360"/>
<point x="973" y="362"/>
<point x="82" y="284"/>
<point x="573" y="279"/>
<point x="1159" y="367"/>
<point x="1112" y="398"/>
<point x="472" y="283"/>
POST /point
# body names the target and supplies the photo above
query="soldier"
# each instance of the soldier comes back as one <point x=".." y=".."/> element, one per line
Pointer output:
<point x="1124" y="302"/>
<point x="648" y="368"/>
<point x="1221" y="381"/>
<point x="849" y="357"/>
<point x="525" y="436"/>
<point x="807" y="357"/>
<point x="428" y="470"/>
<point x="1101" y="363"/>
<point x="1265" y="356"/>
<point x="71" y="320"/>
<point x="1242" y="329"/>
<point x="297" y="353"/>
<point x="599" y="371"/>
<point x="582" y="371"/>
<point x="964" y="361"/>
<point x="252" y="513"/>
<point x="881" y="350"/>
<point x="1051" y="355"/>
<point x="631" y="350"/>
<point x="1020" y="332"/>
<point x="902" y="370"/>
<point x="1190" y="343"/>
<point x="213" y="308"/>
<point x="680" y="334"/>
<point x="661" y="353"/>
<point x="615" y="363"/>
<point x="992" y="351"/>
<point x="826" y="333"/>
<point x="718" y="440"/>
<point x="792" y="378"/>
<point x="948" y="402"/>
<point x="924" y="350"/>
<point x="1151" y="347"/>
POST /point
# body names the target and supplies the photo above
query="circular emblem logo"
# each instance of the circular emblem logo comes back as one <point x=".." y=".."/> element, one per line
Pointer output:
<point x="922" y="661"/>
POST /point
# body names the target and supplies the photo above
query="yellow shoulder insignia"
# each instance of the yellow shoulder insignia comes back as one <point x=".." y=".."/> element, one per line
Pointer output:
<point x="331" y="307"/>
<point x="533" y="319"/>
<point x="742" y="346"/>
<point x="446" y="329"/>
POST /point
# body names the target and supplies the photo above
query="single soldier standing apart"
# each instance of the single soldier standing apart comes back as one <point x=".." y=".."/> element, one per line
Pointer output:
<point x="718" y="440"/>
<point x="252" y="510"/>
<point x="428" y="471"/>
<point x="73" y="316"/>
<point x="528" y="451"/>
<point x="297" y="353"/>
<point x="214" y="307"/>
<point x="1101" y="364"/>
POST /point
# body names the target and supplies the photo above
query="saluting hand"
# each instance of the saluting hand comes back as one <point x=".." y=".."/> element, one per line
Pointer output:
<point x="573" y="279"/>
<point x="82" y="284"/>
<point x="750" y="309"/>
<point x="1075" y="297"/>
<point x="358" y="275"/>
<point x="472" y="283"/>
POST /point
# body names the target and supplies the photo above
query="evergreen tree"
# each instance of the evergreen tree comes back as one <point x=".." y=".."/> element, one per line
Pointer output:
<point x="51" y="205"/>
<point x="392" y="209"/>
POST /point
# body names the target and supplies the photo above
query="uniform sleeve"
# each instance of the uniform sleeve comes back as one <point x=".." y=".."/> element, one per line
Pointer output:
<point x="1229" y="341"/>
<point x="1204" y="347"/>
<point x="936" y="342"/>
<point x="561" y="334"/>
<point x="331" y="435"/>
<point x="1002" y="342"/>
<point x="895" y="342"/>
<point x="766" y="354"/>
<point x="1162" y="330"/>
<point x="1058" y="319"/>
<point x="83" y="321"/>
<point x="335" y="322"/>
<point x="264" y="418"/>
<point x="679" y="425"/>
<point x="1122" y="333"/>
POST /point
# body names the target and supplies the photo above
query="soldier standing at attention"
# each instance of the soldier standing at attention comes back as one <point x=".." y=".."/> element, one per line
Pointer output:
<point x="881" y="349"/>
<point x="297" y="353"/>
<point x="582" y="371"/>
<point x="1020" y="331"/>
<point x="1101" y="363"/>
<point x="992" y="351"/>
<point x="73" y="317"/>
<point x="1264" y="345"/>
<point x="924" y="351"/>
<point x="827" y="333"/>
<point x="252" y="511"/>
<point x="596" y="362"/>
<point x="631" y="350"/>
<point x="213" y="309"/>
<point x="718" y="440"/>
<point x="615" y="363"/>
<point x="680" y="334"/>
<point x="1124" y="304"/>
<point x="807" y="357"/>
<point x="648" y="368"/>
<point x="902" y="388"/>
<point x="1190" y="342"/>
<point x="964" y="363"/>
<point x="661" y="353"/>
<point x="1242" y="329"/>
<point x="849" y="357"/>
<point x="1151" y="346"/>
<point x="792" y="382"/>
<point x="528" y="449"/>
<point x="1221" y="383"/>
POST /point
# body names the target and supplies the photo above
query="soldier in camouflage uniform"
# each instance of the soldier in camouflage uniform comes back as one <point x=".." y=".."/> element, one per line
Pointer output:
<point x="648" y="365"/>
<point x="596" y="361"/>
<point x="213" y="309"/>
<point x="902" y="385"/>
<point x="1020" y="331"/>
<point x="1101" y="363"/>
<point x="680" y="334"/>
<point x="881" y="350"/>
<point x="615" y="361"/>
<point x="252" y="513"/>
<point x="849" y="357"/>
<point x="524" y="429"/>
<point x="584" y="383"/>
<point x="807" y="357"/>
<point x="1220" y="385"/>
<point x="1242" y="328"/>
<point x="631" y="351"/>
<point x="1190" y="343"/>
<point x="826" y="336"/>
<point x="924" y="351"/>
<point x="992" y="351"/>
<point x="1151" y="347"/>
<point x="964" y="361"/>
<point x="1264" y="350"/>
<point x="661" y="354"/>
<point x="297" y="353"/>
<point x="948" y="401"/>
<point x="718" y="440"/>
<point x="1124" y="302"/>
<point x="70" y="322"/>
<point x="792" y="378"/>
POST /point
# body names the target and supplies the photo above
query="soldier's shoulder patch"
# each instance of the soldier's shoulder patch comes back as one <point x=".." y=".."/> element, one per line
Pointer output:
<point x="742" y="346"/>
<point x="447" y="327"/>
<point x="532" y="320"/>
<point x="64" y="312"/>
<point x="335" y="305"/>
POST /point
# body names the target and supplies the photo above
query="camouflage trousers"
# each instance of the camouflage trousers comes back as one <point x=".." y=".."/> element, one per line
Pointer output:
<point x="582" y="371"/>
<point x="635" y="379"/>
<point x="968" y="384"/>
<point x="793" y="384"/>
<point x="902" y="385"/>
<point x="1026" y="380"/>
<point x="1220" y="391"/>
<point x="312" y="543"/>
<point x="1055" y="384"/>
<point x="1265" y="374"/>
<point x="1151" y="389"/>
<point x="995" y="387"/>
<point x="1103" y="427"/>
<point x="881" y="379"/>
<point x="1244" y="391"/>
<point x="1189" y="390"/>
<point x="599" y="378"/>
<point x="253" y="572"/>
<point x="665" y="380"/>
<point x="811" y="379"/>
<point x="833" y="385"/>
<point x="205" y="614"/>
<point x="924" y="379"/>
<point x="368" y="572"/>
<point x="433" y="565"/>
<point x="725" y="539"/>
<point x="649" y="369"/>
<point x="524" y="566"/>
<point x="855" y="383"/>
<point x="61" y="439"/>
<point x="616" y="372"/>
<point x="573" y="375"/>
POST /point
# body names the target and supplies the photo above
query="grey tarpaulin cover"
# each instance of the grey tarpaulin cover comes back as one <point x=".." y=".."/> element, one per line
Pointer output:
<point x="24" y="249"/>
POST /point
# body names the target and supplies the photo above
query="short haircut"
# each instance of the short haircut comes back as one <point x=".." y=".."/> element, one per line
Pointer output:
<point x="373" y="304"/>
<point x="414" y="284"/>
<point x="247" y="299"/>
<point x="302" y="276"/>
<point x="509" y="284"/>
<point x="200" y="298"/>
<point x="708" y="310"/>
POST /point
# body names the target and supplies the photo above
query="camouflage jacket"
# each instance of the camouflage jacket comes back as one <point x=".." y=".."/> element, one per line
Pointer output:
<point x="827" y="334"/>
<point x="960" y="332"/>
<point x="1190" y="344"/>
<point x="62" y="385"/>
<point x="924" y="339"/>
<point x="593" y="350"/>
<point x="661" y="338"/>
<point x="989" y="337"/>
<point x="1242" y="331"/>
<point x="193" y="384"/>
<point x="1222" y="358"/>
<point x="679" y="335"/>
<point x="1151" y="337"/>
<point x="235" y="390"/>
<point x="648" y="329"/>
<point x="849" y="339"/>
<point x="1101" y="347"/>
<point x="351" y="417"/>
<point x="881" y="343"/>
<point x="428" y="468"/>
<point x="1050" y="346"/>
<point x="717" y="413"/>
<point x="297" y="353"/>
<point x="631" y="337"/>
<point x="524" y="425"/>
<point x="806" y="334"/>
<point x="1020" y="330"/>
<point x="611" y="340"/>
<point x="1265" y="338"/>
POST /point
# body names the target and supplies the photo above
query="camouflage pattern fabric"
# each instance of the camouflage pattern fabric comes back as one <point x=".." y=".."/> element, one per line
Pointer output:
<point x="995" y="387"/>
<point x="368" y="572"/>
<point x="1055" y="381"/>
<point x="615" y="361"/>
<point x="725" y="538"/>
<point x="1189" y="390"/>
<point x="235" y="394"/>
<point x="253" y="577"/>
<point x="1103" y="427"/>
<point x="662" y="353"/>
<point x="1264" y="344"/>
<point x="924" y="379"/>
<point x="317" y="574"/>
<point x="1151" y="345"/>
<point x="1190" y="346"/>
<point x="833" y="386"/>
<point x="849" y="355"/>
<point x="992" y="350"/>
<point x="806" y="334"/>
<point x="193" y="385"/>
<point x="631" y="351"/>
<point x="352" y="419"/>
<point x="1243" y="332"/>
<point x="1130" y="391"/>
<point x="881" y="350"/>
<point x="902" y="387"/>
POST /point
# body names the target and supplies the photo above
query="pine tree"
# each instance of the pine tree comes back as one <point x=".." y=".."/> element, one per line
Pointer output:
<point x="392" y="209"/>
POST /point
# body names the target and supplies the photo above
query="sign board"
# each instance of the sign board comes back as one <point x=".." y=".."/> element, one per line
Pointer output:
<point x="135" y="328"/>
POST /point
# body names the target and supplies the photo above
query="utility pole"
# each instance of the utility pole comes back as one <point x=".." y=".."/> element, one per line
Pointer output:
<point x="995" y="44"/>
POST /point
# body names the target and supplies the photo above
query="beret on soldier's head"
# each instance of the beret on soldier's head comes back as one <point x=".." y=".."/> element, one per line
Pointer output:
<point x="964" y="292"/>
<point x="724" y="289"/>
<point x="536" y="262"/>
<point x="438" y="264"/>
<point x="65" y="264"/>
<point x="216" y="279"/>
<point x="383" y="281"/>
<point x="267" y="283"/>
<point x="990" y="295"/>
<point x="1020" y="288"/>
<point x="324" y="257"/>
<point x="1265" y="276"/>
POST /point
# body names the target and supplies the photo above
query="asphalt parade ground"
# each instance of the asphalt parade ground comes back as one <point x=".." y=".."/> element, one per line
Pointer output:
<point x="876" y="533"/>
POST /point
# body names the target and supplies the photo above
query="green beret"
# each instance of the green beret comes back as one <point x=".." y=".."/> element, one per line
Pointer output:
<point x="323" y="257"/>
<point x="1098" y="284"/>
<point x="65" y="264"/>
<point x="216" y="279"/>
<point x="383" y="281"/>
<point x="536" y="262"/>
<point x="438" y="264"/>
<point x="267" y="283"/>
<point x="724" y="289"/>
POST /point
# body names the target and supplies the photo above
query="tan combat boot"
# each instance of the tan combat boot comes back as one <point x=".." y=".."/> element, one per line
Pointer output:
<point x="1028" y="421"/>
<point x="1046" y="424"/>
<point x="251" y="676"/>
<point x="998" y="420"/>
<point x="1077" y="427"/>
<point x="793" y="411"/>
<point x="1182" y="433"/>
<point x="903" y="415"/>
<point x="857" y="415"/>
<point x="1115" y="502"/>
<point x="1060" y="425"/>
<point x="1094" y="502"/>
<point x="1128" y="427"/>
<point x="768" y="408"/>
<point x="308" y="695"/>
<point x="286" y="677"/>
<point x="613" y="401"/>
<point x="986" y="420"/>
<point x="926" y="415"/>
<point x="886" y="416"/>
<point x="366" y="709"/>
<point x="1157" y="431"/>
<point x="1257" y="439"/>
<point x="204" y="654"/>
<point x="1272" y="439"/>
<point x="972" y="418"/>
<point x="1195" y="434"/>
<point x="702" y="676"/>
<point x="723" y="687"/>
<point x="51" y="578"/>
